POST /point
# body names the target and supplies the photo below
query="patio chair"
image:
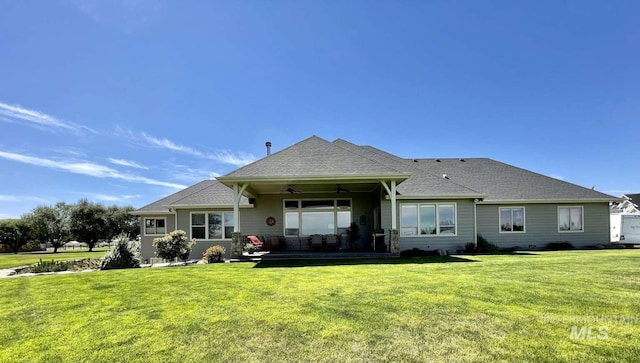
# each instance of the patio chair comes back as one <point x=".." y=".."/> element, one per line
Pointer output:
<point x="332" y="242"/>
<point x="254" y="240"/>
<point x="316" y="241"/>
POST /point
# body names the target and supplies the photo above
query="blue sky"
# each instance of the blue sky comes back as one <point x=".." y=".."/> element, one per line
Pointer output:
<point x="124" y="102"/>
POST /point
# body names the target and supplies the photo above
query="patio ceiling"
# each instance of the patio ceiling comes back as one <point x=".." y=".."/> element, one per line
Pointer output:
<point x="308" y="187"/>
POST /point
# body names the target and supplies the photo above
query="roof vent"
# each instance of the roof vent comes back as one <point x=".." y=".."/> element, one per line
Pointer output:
<point x="268" y="145"/>
<point x="415" y="160"/>
<point x="445" y="176"/>
<point x="462" y="160"/>
<point x="437" y="160"/>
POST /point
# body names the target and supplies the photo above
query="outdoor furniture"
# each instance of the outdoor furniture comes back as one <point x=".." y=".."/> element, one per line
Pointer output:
<point x="316" y="241"/>
<point x="254" y="240"/>
<point x="331" y="241"/>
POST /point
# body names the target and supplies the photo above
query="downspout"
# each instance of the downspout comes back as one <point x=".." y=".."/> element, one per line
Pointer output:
<point x="475" y="222"/>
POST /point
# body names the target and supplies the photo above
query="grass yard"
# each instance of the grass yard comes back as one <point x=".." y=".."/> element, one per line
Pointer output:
<point x="8" y="260"/>
<point x="510" y="308"/>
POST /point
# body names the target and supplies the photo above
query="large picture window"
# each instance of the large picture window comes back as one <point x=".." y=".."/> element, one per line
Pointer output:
<point x="155" y="226"/>
<point x="211" y="225"/>
<point x="570" y="219"/>
<point x="316" y="216"/>
<point x="512" y="219"/>
<point x="428" y="219"/>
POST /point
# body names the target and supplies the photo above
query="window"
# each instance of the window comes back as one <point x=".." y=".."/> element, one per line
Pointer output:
<point x="570" y="219"/>
<point x="211" y="225"/>
<point x="316" y="216"/>
<point x="512" y="219"/>
<point x="155" y="226"/>
<point x="428" y="219"/>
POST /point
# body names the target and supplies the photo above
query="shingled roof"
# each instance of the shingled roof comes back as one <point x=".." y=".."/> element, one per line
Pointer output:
<point x="206" y="193"/>
<point x="503" y="182"/>
<point x="313" y="157"/>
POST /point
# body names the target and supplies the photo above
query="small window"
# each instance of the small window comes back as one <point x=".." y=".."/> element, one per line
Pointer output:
<point x="511" y="219"/>
<point x="570" y="219"/>
<point x="198" y="226"/>
<point x="155" y="226"/>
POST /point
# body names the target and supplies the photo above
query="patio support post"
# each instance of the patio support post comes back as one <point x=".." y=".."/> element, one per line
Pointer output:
<point x="236" y="239"/>
<point x="394" y="238"/>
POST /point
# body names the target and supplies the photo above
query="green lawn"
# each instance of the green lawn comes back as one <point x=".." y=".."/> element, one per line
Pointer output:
<point x="8" y="260"/>
<point x="508" y="308"/>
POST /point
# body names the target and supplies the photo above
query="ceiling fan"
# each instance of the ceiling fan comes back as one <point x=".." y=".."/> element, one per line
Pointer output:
<point x="340" y="189"/>
<point x="292" y="191"/>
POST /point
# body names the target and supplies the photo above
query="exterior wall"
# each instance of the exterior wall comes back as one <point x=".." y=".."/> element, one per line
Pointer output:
<point x="464" y="227"/>
<point x="253" y="221"/>
<point x="146" y="242"/>
<point x="541" y="225"/>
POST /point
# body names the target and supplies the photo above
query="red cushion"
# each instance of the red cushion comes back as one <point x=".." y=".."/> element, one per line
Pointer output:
<point x="255" y="241"/>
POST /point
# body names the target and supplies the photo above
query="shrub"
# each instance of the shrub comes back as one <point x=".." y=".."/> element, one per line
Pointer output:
<point x="125" y="254"/>
<point x="174" y="245"/>
<point x="50" y="266"/>
<point x="469" y="247"/>
<point x="416" y="252"/>
<point x="214" y="254"/>
<point x="486" y="246"/>
<point x="558" y="246"/>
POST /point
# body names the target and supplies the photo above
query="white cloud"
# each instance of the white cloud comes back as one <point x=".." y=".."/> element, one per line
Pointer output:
<point x="86" y="168"/>
<point x="224" y="156"/>
<point x="15" y="113"/>
<point x="21" y="199"/>
<point x="128" y="163"/>
<point x="189" y="175"/>
<point x="108" y="198"/>
<point x="557" y="177"/>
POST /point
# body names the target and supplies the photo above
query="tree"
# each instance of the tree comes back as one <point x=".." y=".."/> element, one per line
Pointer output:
<point x="49" y="224"/>
<point x="174" y="245"/>
<point x="14" y="233"/>
<point x="120" y="220"/>
<point x="87" y="222"/>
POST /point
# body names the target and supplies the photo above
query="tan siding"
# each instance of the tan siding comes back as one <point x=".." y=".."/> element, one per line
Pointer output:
<point x="541" y="226"/>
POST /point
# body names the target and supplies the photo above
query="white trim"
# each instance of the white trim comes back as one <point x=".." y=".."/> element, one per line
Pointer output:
<point x="331" y="179"/>
<point x="569" y="207"/>
<point x="437" y="224"/>
<point x="206" y="225"/>
<point x="547" y="201"/>
<point x="144" y="226"/>
<point x="524" y="219"/>
<point x="205" y="206"/>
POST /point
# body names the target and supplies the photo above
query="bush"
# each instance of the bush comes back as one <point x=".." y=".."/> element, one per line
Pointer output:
<point x="50" y="266"/>
<point x="214" y="254"/>
<point x="486" y="246"/>
<point x="469" y="247"/>
<point x="125" y="254"/>
<point x="416" y="252"/>
<point x="559" y="246"/>
<point x="174" y="245"/>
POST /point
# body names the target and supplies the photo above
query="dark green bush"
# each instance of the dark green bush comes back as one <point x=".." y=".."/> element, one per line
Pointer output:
<point x="486" y="246"/>
<point x="214" y="254"/>
<point x="559" y="246"/>
<point x="124" y="254"/>
<point x="470" y="247"/>
<point x="416" y="252"/>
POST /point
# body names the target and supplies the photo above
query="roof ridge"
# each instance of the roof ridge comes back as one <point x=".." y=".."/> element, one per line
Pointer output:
<point x="180" y="191"/>
<point x="312" y="137"/>
<point x="215" y="182"/>
<point x="363" y="156"/>
<point x="409" y="164"/>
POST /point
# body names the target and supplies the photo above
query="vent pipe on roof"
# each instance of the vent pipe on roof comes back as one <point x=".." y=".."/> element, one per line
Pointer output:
<point x="268" y="145"/>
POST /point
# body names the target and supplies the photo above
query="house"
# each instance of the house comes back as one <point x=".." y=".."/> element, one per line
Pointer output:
<point x="317" y="187"/>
